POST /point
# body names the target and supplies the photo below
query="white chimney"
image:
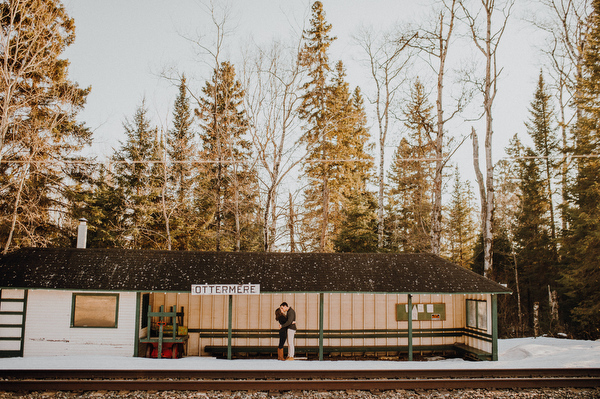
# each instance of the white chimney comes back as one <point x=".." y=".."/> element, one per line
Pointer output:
<point x="82" y="233"/>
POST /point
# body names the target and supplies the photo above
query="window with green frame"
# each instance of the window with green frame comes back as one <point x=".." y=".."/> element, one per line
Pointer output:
<point x="477" y="314"/>
<point x="95" y="310"/>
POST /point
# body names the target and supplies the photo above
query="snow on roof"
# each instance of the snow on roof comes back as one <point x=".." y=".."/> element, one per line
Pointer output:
<point x="154" y="270"/>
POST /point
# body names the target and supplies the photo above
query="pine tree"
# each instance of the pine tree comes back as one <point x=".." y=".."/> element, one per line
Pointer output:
<point x="358" y="232"/>
<point x="136" y="173"/>
<point x="348" y="166"/>
<point x="228" y="185"/>
<point x="355" y="213"/>
<point x="181" y="150"/>
<point x="534" y="245"/>
<point x="314" y="112"/>
<point x="460" y="231"/>
<point x="410" y="180"/>
<point x="546" y="143"/>
<point x="582" y="240"/>
<point x="38" y="126"/>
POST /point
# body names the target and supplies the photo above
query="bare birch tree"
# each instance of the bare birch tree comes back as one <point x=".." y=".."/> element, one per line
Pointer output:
<point x="481" y="21"/>
<point x="435" y="42"/>
<point x="272" y="80"/>
<point x="388" y="55"/>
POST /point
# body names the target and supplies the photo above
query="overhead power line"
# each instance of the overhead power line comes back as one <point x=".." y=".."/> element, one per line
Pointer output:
<point x="207" y="161"/>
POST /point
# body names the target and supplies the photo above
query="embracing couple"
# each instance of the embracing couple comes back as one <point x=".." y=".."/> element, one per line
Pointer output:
<point x="286" y="317"/>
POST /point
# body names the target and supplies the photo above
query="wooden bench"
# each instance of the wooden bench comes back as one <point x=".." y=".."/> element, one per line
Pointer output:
<point x="468" y="352"/>
<point x="459" y="349"/>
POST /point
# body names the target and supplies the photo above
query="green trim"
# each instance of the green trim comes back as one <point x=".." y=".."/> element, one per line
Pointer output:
<point x="410" y="329"/>
<point x="73" y="300"/>
<point x="136" y="343"/>
<point x="229" y="328"/>
<point x="342" y="334"/>
<point x="321" y="321"/>
<point x="468" y="313"/>
<point x="403" y="312"/>
<point x="478" y="335"/>
<point x="494" y="327"/>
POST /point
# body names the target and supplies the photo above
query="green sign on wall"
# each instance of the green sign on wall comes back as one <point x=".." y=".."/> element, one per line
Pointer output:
<point x="421" y="311"/>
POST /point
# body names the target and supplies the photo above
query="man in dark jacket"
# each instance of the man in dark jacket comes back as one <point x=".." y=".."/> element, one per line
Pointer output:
<point x="290" y="324"/>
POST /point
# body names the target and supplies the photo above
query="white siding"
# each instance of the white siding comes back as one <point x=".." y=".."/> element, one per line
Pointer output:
<point x="48" y="329"/>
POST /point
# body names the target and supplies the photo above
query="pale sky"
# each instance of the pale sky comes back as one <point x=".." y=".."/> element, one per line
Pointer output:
<point x="122" y="46"/>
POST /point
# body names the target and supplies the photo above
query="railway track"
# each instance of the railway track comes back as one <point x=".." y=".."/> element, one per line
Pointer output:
<point x="289" y="380"/>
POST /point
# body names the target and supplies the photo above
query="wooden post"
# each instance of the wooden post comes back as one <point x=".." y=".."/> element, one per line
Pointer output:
<point x="321" y="318"/>
<point x="494" y="327"/>
<point x="160" y="333"/>
<point x="410" y="332"/>
<point x="136" y="344"/>
<point x="229" y="327"/>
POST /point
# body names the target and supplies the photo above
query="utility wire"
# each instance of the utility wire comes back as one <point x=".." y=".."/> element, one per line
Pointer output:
<point x="207" y="161"/>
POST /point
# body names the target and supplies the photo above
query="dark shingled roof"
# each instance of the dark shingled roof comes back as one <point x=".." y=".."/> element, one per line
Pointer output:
<point x="152" y="270"/>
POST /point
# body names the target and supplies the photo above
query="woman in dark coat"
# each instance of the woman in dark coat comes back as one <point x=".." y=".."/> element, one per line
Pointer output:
<point x="281" y="319"/>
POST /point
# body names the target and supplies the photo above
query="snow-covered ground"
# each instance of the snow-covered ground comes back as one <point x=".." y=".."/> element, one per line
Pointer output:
<point x="513" y="353"/>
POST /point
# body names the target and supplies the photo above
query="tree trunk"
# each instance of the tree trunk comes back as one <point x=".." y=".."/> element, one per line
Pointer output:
<point x="236" y="208"/>
<point x="436" y="211"/>
<point x="488" y="99"/>
<point x="266" y="222"/>
<point x="553" y="302"/>
<point x="443" y="42"/>
<point x="536" y="319"/>
<point x="291" y="224"/>
<point x="164" y="204"/>
<point x="325" y="219"/>
<point x="13" y="222"/>
<point x="479" y="177"/>
<point x="381" y="183"/>
<point x="564" y="164"/>
<point x="518" y="286"/>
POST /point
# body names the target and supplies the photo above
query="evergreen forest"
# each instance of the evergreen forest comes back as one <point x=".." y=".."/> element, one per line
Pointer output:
<point x="280" y="152"/>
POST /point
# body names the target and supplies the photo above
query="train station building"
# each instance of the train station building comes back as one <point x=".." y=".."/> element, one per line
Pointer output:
<point x="75" y="301"/>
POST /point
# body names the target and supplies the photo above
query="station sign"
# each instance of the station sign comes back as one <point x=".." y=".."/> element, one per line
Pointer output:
<point x="225" y="289"/>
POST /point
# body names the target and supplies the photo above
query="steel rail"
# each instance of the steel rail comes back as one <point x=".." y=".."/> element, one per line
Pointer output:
<point x="292" y="385"/>
<point x="296" y="374"/>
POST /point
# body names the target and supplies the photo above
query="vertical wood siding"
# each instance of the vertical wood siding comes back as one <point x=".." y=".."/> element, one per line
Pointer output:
<point x="341" y="312"/>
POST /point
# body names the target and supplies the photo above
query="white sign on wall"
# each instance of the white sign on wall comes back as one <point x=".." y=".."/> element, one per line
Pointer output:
<point x="225" y="289"/>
